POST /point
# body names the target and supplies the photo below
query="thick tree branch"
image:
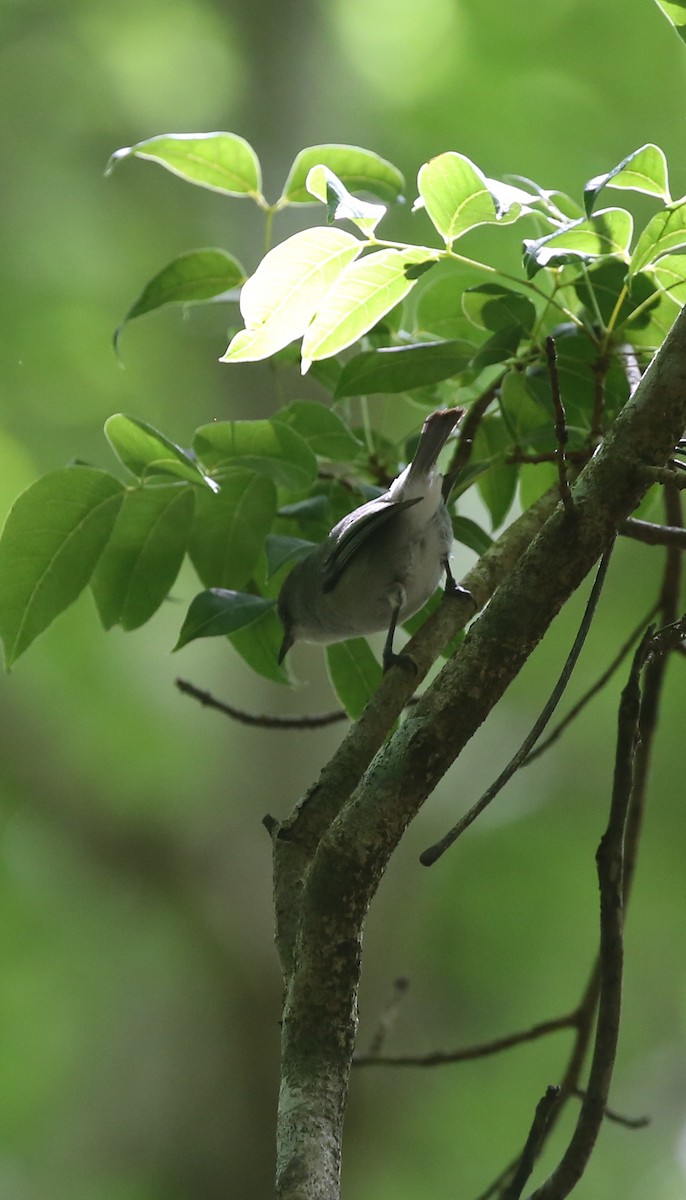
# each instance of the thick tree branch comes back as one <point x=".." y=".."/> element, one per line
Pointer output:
<point x="349" y="841"/>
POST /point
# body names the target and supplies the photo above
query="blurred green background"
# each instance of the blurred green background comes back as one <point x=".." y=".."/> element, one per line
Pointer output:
<point x="139" y="990"/>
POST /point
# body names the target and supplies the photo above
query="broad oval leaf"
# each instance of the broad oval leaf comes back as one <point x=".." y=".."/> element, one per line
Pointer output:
<point x="675" y="12"/>
<point x="52" y="540"/>
<point x="607" y="233"/>
<point x="145" y="451"/>
<point x="497" y="486"/>
<point x="280" y="299"/>
<point x="341" y="205"/>
<point x="470" y="534"/>
<point x="218" y="612"/>
<point x="402" y="368"/>
<point x="191" y="278"/>
<point x="643" y="171"/>
<point x="354" y="673"/>
<point x="222" y="162"/>
<point x="268" y="447"/>
<point x="230" y="528"/>
<point x="456" y="195"/>
<point x="665" y="233"/>
<point x="492" y="306"/>
<point x="361" y="295"/>
<point x="258" y="645"/>
<point x="323" y="430"/>
<point x="142" y="558"/>
<point x="359" y="170"/>
<point x="281" y="550"/>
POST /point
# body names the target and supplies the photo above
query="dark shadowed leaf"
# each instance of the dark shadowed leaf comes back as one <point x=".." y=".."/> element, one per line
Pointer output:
<point x="218" y="612"/>
<point x="402" y="368"/>
<point x="269" y="447"/>
<point x="354" y="673"/>
<point x="145" y="451"/>
<point x="230" y="528"/>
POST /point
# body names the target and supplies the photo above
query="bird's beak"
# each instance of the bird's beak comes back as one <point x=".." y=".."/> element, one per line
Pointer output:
<point x="286" y="644"/>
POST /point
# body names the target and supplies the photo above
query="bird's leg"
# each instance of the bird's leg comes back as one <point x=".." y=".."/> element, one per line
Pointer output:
<point x="390" y="658"/>
<point x="452" y="588"/>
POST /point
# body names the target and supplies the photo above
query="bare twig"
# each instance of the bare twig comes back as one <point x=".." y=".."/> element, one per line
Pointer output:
<point x="433" y="853"/>
<point x="467" y="1053"/>
<point x="560" y="425"/>
<point x="594" y="689"/>
<point x="534" y="1142"/>
<point x="610" y="864"/>
<point x="653" y="535"/>
<point x="264" y="722"/>
<point x="617" y="1118"/>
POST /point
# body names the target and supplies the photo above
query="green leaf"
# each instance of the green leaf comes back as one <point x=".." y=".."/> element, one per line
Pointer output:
<point x="145" y="451"/>
<point x="494" y="307"/>
<point x="402" y="368"/>
<point x="438" y="304"/>
<point x="359" y="170"/>
<point x="675" y="12"/>
<point x="218" y="612"/>
<point x="269" y="447"/>
<point x="354" y="673"/>
<point x="498" y="485"/>
<point x="498" y="348"/>
<point x="53" y="537"/>
<point x="665" y="233"/>
<point x="222" y="162"/>
<point x="323" y="430"/>
<point x="603" y="287"/>
<point x="457" y="196"/>
<point x="472" y="535"/>
<point x="670" y="273"/>
<point x="258" y="644"/>
<point x="282" y="550"/>
<point x="361" y="295"/>
<point x="191" y="278"/>
<point x="523" y="415"/>
<point x="142" y="558"/>
<point x="230" y="528"/>
<point x="341" y="204"/>
<point x="643" y="171"/>
<point x="280" y="299"/>
<point x="607" y="233"/>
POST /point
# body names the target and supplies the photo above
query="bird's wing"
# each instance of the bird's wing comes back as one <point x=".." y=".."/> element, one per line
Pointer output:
<point x="354" y="533"/>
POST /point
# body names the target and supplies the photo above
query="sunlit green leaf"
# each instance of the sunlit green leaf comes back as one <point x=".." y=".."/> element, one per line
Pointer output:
<point x="218" y="612"/>
<point x="341" y="204"/>
<point x="665" y="233"/>
<point x="402" y="368"/>
<point x="670" y="273"/>
<point x="145" y="451"/>
<point x="191" y="278"/>
<point x="222" y="162"/>
<point x="142" y="557"/>
<point x="268" y="447"/>
<point x="354" y="673"/>
<point x="643" y="171"/>
<point x="359" y="170"/>
<point x="675" y="12"/>
<point x="52" y="540"/>
<point x="323" y="430"/>
<point x="361" y="295"/>
<point x="457" y="196"/>
<point x="280" y="299"/>
<point x="607" y="232"/>
<point x="230" y="528"/>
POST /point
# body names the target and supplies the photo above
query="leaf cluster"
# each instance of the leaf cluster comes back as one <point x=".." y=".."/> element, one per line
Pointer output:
<point x="369" y="317"/>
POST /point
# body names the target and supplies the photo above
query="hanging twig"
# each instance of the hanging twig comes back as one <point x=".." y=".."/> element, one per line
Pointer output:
<point x="264" y="722"/>
<point x="534" y="1142"/>
<point x="433" y="853"/>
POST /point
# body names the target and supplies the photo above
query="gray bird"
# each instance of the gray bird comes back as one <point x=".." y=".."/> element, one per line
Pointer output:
<point x="382" y="562"/>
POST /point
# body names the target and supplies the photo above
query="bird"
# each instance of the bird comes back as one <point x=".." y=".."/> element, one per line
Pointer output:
<point x="380" y="563"/>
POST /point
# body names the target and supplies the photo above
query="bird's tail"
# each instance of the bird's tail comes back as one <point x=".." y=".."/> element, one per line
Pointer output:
<point x="436" y="430"/>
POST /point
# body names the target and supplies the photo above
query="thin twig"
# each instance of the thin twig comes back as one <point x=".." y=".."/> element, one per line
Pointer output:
<point x="560" y="425"/>
<point x="388" y="1018"/>
<point x="532" y="1146"/>
<point x="264" y="722"/>
<point x="610" y="865"/>
<point x="433" y="853"/>
<point x="653" y="535"/>
<point x="467" y="1053"/>
<point x="617" y="1118"/>
<point x="594" y="689"/>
